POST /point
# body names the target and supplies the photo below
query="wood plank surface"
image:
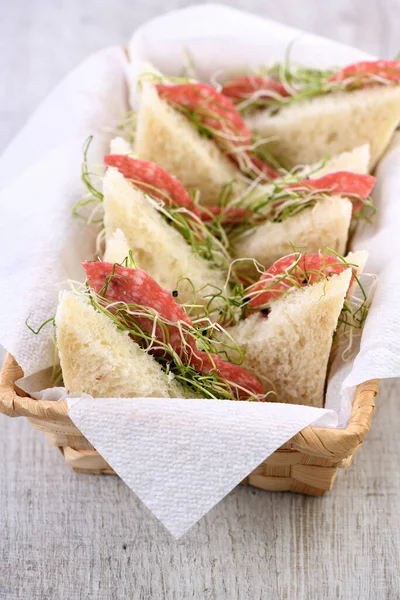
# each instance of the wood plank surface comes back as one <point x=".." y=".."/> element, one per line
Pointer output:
<point x="71" y="536"/>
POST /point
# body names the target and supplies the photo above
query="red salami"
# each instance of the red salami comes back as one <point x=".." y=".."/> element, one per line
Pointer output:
<point x="242" y="88"/>
<point x="215" y="111"/>
<point x="219" y="116"/>
<point x="343" y="183"/>
<point x="291" y="271"/>
<point x="362" y="71"/>
<point x="134" y="286"/>
<point x="153" y="179"/>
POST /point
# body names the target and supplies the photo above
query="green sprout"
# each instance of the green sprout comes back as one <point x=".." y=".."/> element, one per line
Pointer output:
<point x="93" y="196"/>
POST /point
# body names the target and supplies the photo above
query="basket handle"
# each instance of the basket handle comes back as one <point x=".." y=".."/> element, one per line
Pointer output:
<point x="13" y="405"/>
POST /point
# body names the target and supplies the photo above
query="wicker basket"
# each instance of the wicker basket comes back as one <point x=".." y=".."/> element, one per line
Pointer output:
<point x="306" y="464"/>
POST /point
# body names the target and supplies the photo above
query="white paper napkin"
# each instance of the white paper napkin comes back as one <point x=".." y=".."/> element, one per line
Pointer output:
<point x="180" y="456"/>
<point x="89" y="101"/>
<point x="221" y="38"/>
<point x="42" y="243"/>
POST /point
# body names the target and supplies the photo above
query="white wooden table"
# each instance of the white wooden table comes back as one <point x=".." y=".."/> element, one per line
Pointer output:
<point x="69" y="536"/>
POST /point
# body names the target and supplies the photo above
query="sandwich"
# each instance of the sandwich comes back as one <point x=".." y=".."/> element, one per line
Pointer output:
<point x="307" y="214"/>
<point x="100" y="359"/>
<point x="306" y="114"/>
<point x="290" y="317"/>
<point x="125" y="336"/>
<point x="150" y="213"/>
<point x="198" y="135"/>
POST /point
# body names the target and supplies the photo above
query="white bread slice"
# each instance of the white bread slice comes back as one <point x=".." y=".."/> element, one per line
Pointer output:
<point x="325" y="224"/>
<point x="307" y="131"/>
<point x="119" y="145"/>
<point x="167" y="138"/>
<point x="157" y="247"/>
<point x="356" y="161"/>
<point x="358" y="258"/>
<point x="289" y="350"/>
<point x="98" y="359"/>
<point x="117" y="247"/>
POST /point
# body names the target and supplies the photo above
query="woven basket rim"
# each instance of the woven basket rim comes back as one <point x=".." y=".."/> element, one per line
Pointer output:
<point x="335" y="444"/>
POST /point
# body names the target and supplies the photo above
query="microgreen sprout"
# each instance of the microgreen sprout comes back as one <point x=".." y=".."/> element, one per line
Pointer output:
<point x="127" y="125"/>
<point x="39" y="329"/>
<point x="93" y="196"/>
<point x="189" y="69"/>
<point x="56" y="373"/>
<point x="86" y="174"/>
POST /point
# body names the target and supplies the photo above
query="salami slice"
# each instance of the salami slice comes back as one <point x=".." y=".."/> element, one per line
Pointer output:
<point x="219" y="117"/>
<point x="134" y="286"/>
<point x="342" y="183"/>
<point x="385" y="69"/>
<point x="242" y="88"/>
<point x="213" y="109"/>
<point x="152" y="179"/>
<point x="291" y="271"/>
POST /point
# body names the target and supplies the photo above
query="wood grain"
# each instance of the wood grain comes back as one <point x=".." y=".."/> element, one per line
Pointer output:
<point x="68" y="536"/>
